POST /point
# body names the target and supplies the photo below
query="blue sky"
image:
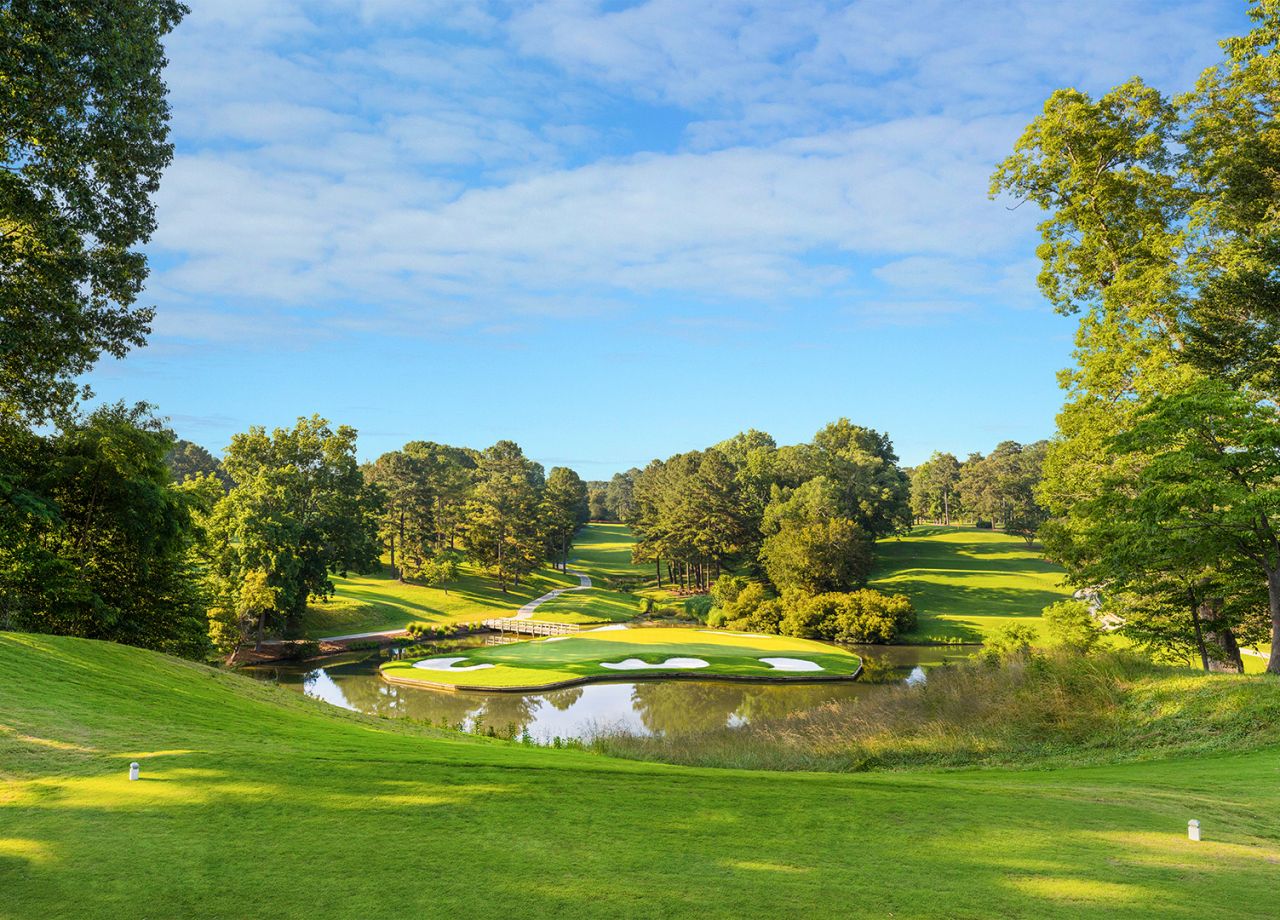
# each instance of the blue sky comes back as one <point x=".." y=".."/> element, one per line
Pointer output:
<point x="613" y="231"/>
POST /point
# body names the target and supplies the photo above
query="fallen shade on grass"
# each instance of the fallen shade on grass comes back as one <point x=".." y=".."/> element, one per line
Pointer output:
<point x="255" y="801"/>
<point x="601" y="654"/>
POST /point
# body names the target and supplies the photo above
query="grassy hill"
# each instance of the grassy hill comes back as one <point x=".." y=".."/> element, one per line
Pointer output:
<point x="379" y="601"/>
<point x="259" y="802"/>
<point x="965" y="582"/>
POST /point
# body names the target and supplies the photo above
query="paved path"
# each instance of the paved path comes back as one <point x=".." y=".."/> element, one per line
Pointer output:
<point x="526" y="612"/>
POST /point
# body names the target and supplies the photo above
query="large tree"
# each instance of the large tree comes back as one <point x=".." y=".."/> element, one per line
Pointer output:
<point x="84" y="129"/>
<point x="1162" y="236"/>
<point x="102" y="548"/>
<point x="300" y="511"/>
<point x="502" y="522"/>
<point x="564" y="510"/>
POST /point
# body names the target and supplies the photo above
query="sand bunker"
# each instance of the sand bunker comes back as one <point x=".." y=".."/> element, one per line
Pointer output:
<point x="792" y="664"/>
<point x="447" y="664"/>
<point x="635" y="664"/>
<point x="557" y="638"/>
<point x="609" y="628"/>
<point x="724" y="632"/>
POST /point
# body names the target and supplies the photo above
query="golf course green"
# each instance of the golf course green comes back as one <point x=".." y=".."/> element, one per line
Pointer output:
<point x="610" y="654"/>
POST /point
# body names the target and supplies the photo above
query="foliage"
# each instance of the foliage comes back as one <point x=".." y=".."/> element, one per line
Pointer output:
<point x="501" y="517"/>
<point x="99" y="539"/>
<point x="1011" y="642"/>
<point x="84" y="123"/>
<point x="300" y="510"/>
<point x="1070" y="624"/>
<point x="187" y="461"/>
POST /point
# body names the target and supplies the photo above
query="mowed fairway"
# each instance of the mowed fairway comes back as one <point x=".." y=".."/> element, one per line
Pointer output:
<point x="258" y="802"/>
<point x="379" y="601"/>
<point x="603" y="552"/>
<point x="543" y="663"/>
<point x="965" y="582"/>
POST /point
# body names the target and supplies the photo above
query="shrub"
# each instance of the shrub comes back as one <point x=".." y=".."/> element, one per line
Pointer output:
<point x="855" y="616"/>
<point x="646" y="605"/>
<point x="1070" y="625"/>
<point x="699" y="607"/>
<point x="981" y="524"/>
<point x="726" y="588"/>
<point x="1009" y="643"/>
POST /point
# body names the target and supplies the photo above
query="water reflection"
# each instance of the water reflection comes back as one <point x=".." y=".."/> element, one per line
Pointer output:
<point x="651" y="707"/>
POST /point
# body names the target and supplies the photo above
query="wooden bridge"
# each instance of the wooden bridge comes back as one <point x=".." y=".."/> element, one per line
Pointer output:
<point x="531" y="627"/>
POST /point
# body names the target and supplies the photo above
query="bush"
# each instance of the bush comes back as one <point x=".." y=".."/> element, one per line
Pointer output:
<point x="726" y="588"/>
<point x="699" y="607"/>
<point x="1070" y="625"/>
<point x="1008" y="644"/>
<point x="981" y="524"/>
<point x="646" y="605"/>
<point x="854" y="616"/>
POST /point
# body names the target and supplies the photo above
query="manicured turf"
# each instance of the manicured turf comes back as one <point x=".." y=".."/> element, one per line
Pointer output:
<point x="258" y="802"/>
<point x="367" y="603"/>
<point x="965" y="583"/>
<point x="602" y="551"/>
<point x="370" y="603"/>
<point x="547" y="662"/>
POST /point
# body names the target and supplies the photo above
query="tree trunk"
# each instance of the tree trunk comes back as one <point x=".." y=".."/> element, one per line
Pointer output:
<point x="262" y="621"/>
<point x="657" y="568"/>
<point x="946" y="509"/>
<point x="1273" y="592"/>
<point x="1219" y="641"/>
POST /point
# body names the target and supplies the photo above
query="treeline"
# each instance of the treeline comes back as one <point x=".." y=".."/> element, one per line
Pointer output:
<point x="804" y="516"/>
<point x="999" y="488"/>
<point x="102" y="540"/>
<point x="1161" y="235"/>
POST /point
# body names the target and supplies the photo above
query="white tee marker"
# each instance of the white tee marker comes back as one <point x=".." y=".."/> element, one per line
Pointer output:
<point x="1193" y="829"/>
<point x="133" y="771"/>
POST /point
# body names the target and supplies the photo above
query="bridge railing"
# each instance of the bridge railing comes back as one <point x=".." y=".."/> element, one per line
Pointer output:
<point x="532" y="627"/>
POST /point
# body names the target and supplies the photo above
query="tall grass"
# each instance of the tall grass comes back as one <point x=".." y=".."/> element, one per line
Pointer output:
<point x="1047" y="709"/>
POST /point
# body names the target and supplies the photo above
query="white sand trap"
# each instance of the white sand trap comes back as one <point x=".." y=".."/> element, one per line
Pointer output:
<point x="615" y="626"/>
<point x="635" y="664"/>
<point x="557" y="638"/>
<point x="723" y="632"/>
<point x="447" y="664"/>
<point x="792" y="664"/>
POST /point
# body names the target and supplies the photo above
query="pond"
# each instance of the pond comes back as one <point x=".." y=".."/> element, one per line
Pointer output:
<point x="666" y="707"/>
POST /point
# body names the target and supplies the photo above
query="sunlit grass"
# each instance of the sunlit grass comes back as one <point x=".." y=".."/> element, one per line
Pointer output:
<point x="256" y="801"/>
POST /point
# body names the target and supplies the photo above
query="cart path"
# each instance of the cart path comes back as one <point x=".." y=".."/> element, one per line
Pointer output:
<point x="526" y="612"/>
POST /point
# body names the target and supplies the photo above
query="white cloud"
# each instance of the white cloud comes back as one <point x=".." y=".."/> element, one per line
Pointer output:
<point x="372" y="164"/>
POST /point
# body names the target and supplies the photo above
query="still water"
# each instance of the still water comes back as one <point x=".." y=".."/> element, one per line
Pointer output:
<point x="666" y="707"/>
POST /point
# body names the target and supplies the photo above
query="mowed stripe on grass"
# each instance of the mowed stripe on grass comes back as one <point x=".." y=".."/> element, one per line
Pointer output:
<point x="965" y="583"/>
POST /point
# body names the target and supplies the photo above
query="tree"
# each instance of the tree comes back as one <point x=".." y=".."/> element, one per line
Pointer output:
<point x="84" y="128"/>
<point x="502" y="516"/>
<point x="1161" y="235"/>
<point x="933" y="487"/>
<point x="187" y="460"/>
<point x="811" y="546"/>
<point x="102" y="547"/>
<point x="300" y="511"/>
<point x="407" y="522"/>
<point x="564" y="510"/>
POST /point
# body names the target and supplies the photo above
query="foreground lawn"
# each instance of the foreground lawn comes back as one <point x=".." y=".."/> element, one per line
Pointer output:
<point x="541" y="663"/>
<point x="259" y="802"/>
<point x="965" y="583"/>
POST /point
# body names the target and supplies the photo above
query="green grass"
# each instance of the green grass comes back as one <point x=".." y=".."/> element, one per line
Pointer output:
<point x="541" y="662"/>
<point x="966" y="583"/>
<point x="369" y="603"/>
<point x="259" y="802"/>
<point x="377" y="602"/>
